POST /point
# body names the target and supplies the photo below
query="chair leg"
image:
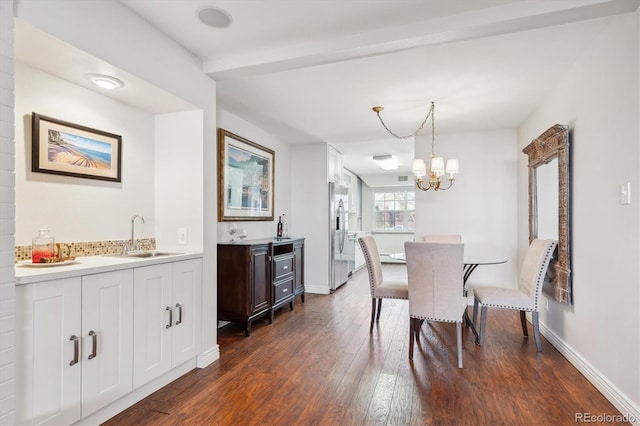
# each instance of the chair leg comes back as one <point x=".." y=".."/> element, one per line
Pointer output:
<point x="483" y="325"/>
<point x="379" y="309"/>
<point x="459" y="337"/>
<point x="373" y="313"/>
<point x="523" y="320"/>
<point x="536" y="330"/>
<point x="411" y="336"/>
<point x="417" y="328"/>
<point x="475" y="311"/>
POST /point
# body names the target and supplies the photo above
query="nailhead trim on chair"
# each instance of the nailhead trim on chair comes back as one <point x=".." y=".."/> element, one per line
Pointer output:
<point x="368" y="261"/>
<point x="539" y="283"/>
<point x="520" y="308"/>
<point x="434" y="319"/>
<point x="540" y="277"/>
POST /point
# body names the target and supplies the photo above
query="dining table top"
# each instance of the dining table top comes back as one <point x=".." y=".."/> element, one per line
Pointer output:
<point x="467" y="260"/>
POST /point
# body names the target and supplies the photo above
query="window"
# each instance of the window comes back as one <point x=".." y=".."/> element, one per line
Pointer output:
<point x="394" y="210"/>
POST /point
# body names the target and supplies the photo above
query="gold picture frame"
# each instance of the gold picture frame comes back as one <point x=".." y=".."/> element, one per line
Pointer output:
<point x="246" y="173"/>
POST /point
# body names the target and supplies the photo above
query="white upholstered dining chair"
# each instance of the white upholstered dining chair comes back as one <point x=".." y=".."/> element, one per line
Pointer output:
<point x="380" y="289"/>
<point x="435" y="277"/>
<point x="526" y="298"/>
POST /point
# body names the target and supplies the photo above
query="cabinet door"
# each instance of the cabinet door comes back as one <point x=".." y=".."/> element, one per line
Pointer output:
<point x="187" y="310"/>
<point x="153" y="298"/>
<point x="260" y="279"/>
<point x="107" y="330"/>
<point x="47" y="382"/>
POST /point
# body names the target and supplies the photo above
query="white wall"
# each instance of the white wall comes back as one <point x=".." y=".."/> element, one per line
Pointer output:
<point x="482" y="202"/>
<point x="310" y="211"/>
<point x="599" y="100"/>
<point x="77" y="209"/>
<point x="282" y="185"/>
<point x="7" y="217"/>
<point x="178" y="181"/>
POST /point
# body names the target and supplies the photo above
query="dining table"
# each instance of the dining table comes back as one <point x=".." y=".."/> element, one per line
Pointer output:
<point x="470" y="263"/>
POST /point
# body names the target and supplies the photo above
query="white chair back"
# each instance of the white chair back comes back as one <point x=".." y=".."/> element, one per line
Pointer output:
<point x="534" y="268"/>
<point x="372" y="260"/>
<point x="435" y="277"/>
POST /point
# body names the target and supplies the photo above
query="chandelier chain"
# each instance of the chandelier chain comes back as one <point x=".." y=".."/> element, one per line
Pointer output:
<point x="429" y="114"/>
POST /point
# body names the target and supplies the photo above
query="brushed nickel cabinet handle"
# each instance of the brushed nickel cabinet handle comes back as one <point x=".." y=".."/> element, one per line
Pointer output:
<point x="168" y="308"/>
<point x="94" y="344"/>
<point x="76" y="349"/>
<point x="179" y="307"/>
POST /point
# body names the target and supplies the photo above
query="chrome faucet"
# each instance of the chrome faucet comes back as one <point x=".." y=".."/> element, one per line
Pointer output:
<point x="131" y="245"/>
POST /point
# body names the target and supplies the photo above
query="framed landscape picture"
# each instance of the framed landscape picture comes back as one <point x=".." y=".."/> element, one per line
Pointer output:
<point x="63" y="148"/>
<point x="245" y="179"/>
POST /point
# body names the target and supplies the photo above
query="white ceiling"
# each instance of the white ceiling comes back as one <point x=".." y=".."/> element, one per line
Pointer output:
<point x="310" y="70"/>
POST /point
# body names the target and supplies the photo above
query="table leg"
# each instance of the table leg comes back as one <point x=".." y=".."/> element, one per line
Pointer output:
<point x="468" y="269"/>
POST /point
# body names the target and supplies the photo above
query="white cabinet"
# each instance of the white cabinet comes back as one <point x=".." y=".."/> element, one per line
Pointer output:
<point x="107" y="334"/>
<point x="167" y="319"/>
<point x="335" y="164"/>
<point x="74" y="346"/>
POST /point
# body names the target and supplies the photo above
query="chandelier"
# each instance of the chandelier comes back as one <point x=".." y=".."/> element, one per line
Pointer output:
<point x="437" y="169"/>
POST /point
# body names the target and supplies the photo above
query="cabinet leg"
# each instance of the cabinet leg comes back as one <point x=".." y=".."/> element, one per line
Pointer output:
<point x="247" y="329"/>
<point x="291" y="305"/>
<point x="302" y="297"/>
<point x="271" y="317"/>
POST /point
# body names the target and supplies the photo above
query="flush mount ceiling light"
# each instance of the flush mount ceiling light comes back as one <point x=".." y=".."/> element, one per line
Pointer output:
<point x="386" y="162"/>
<point x="215" y="18"/>
<point x="437" y="169"/>
<point x="105" y="81"/>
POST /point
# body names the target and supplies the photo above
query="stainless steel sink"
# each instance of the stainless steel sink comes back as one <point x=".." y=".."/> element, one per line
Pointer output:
<point x="143" y="254"/>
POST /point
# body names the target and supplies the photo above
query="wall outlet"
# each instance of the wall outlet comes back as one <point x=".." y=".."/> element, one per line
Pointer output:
<point x="182" y="236"/>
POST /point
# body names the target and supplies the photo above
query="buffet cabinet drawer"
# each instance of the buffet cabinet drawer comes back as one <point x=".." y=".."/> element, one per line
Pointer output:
<point x="282" y="266"/>
<point x="282" y="290"/>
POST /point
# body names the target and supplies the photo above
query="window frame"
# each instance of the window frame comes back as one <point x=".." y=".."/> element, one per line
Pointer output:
<point x="407" y="213"/>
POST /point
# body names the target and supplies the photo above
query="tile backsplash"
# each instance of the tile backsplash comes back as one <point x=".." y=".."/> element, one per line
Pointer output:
<point x="87" y="248"/>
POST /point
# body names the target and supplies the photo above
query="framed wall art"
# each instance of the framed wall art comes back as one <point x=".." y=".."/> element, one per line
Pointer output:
<point x="63" y="148"/>
<point x="245" y="179"/>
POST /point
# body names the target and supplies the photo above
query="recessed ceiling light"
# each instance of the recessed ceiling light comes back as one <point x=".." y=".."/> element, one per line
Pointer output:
<point x="213" y="17"/>
<point x="105" y="81"/>
<point x="386" y="162"/>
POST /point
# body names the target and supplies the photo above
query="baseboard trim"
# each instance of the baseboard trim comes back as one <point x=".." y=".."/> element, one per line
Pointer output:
<point x="137" y="395"/>
<point x="608" y="389"/>
<point x="208" y="357"/>
<point x="316" y="289"/>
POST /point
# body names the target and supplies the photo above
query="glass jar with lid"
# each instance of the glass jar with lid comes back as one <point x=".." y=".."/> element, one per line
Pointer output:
<point x="42" y="245"/>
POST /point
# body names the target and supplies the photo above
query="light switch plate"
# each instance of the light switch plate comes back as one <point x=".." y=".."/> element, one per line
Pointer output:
<point x="625" y="193"/>
<point x="182" y="236"/>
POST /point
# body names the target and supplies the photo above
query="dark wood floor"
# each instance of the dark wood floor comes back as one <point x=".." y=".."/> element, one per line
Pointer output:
<point x="318" y="365"/>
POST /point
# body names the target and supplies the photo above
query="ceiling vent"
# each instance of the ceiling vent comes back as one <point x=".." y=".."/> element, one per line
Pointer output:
<point x="403" y="178"/>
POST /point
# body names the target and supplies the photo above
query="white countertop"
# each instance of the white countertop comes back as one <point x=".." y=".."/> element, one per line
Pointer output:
<point x="92" y="265"/>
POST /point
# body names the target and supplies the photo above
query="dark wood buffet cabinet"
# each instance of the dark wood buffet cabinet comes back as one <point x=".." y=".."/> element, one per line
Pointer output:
<point x="258" y="277"/>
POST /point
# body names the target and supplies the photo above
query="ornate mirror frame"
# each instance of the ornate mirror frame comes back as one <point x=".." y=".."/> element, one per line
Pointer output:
<point x="553" y="143"/>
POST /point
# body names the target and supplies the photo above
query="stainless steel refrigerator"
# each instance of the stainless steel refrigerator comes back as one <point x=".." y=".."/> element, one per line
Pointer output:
<point x="338" y="230"/>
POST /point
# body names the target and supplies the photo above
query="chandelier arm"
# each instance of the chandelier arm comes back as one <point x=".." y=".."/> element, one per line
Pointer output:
<point x="419" y="185"/>
<point x="448" y="187"/>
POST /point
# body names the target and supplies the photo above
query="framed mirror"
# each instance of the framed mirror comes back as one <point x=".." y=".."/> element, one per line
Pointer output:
<point x="549" y="205"/>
